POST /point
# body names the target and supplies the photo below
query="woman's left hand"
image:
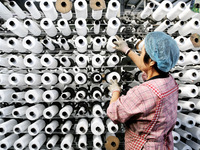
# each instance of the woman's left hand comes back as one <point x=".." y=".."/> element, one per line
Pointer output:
<point x="114" y="87"/>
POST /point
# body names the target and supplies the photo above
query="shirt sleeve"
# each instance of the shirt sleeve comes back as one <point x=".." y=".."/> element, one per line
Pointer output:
<point x="138" y="100"/>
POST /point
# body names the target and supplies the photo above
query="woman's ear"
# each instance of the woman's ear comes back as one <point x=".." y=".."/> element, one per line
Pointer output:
<point x="152" y="63"/>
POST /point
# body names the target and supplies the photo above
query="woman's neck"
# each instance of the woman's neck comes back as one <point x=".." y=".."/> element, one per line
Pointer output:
<point x="151" y="73"/>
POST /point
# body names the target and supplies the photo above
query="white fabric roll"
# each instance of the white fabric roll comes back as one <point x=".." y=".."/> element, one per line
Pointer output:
<point x="178" y="123"/>
<point x="186" y="120"/>
<point x="193" y="144"/>
<point x="179" y="108"/>
<point x="5" y="111"/>
<point x="52" y="142"/>
<point x="82" y="60"/>
<point x="64" y="60"/>
<point x="67" y="16"/>
<point x="175" y="27"/>
<point x="51" y="127"/>
<point x="180" y="40"/>
<point x="65" y="78"/>
<point x="36" y="127"/>
<point x="104" y="41"/>
<point x="113" y="26"/>
<point x="50" y="111"/>
<point x="148" y="10"/>
<point x="48" y="26"/>
<point x="34" y="112"/>
<point x="112" y="9"/>
<point x="182" y="146"/>
<point x="81" y="44"/>
<point x="49" y="78"/>
<point x="65" y="112"/>
<point x="112" y="128"/>
<point x="49" y="61"/>
<point x="64" y="27"/>
<point x="37" y="142"/>
<point x="113" y="60"/>
<point x="164" y="25"/>
<point x="50" y="95"/>
<point x="80" y="78"/>
<point x="187" y="105"/>
<point x="48" y="44"/>
<point x="114" y="76"/>
<point x="110" y="44"/>
<point x="97" y="126"/>
<point x="195" y="116"/>
<point x="19" y="112"/>
<point x="97" y="14"/>
<point x="4" y="79"/>
<point x="176" y="137"/>
<point x="48" y="9"/>
<point x="96" y="27"/>
<point x="7" y="126"/>
<point x="66" y="127"/>
<point x="64" y="43"/>
<point x="189" y="76"/>
<point x="81" y="9"/>
<point x="16" y="79"/>
<point x="80" y="95"/>
<point x="32" y="79"/>
<point x="184" y="134"/>
<point x="162" y="10"/>
<point x="7" y="142"/>
<point x="97" y="61"/>
<point x="32" y="61"/>
<point x="82" y="142"/>
<point x="30" y="6"/>
<point x="97" y="142"/>
<point x="32" y="44"/>
<point x="5" y="95"/>
<point x="33" y="27"/>
<point x="17" y="10"/>
<point x="21" y="127"/>
<point x="186" y="45"/>
<point x="16" y="61"/>
<point x="16" y="27"/>
<point x="34" y="95"/>
<point x="191" y="58"/>
<point x="4" y="47"/>
<point x="188" y="90"/>
<point x="97" y="110"/>
<point x="82" y="126"/>
<point x="67" y="141"/>
<point x="22" y="142"/>
<point x="97" y="94"/>
<point x="81" y="26"/>
<point x="176" y="10"/>
<point x="195" y="131"/>
<point x="97" y="44"/>
<point x="5" y="12"/>
<point x="197" y="103"/>
<point x="16" y="44"/>
<point x="186" y="14"/>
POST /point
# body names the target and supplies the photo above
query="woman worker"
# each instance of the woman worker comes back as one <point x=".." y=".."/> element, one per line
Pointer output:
<point x="149" y="110"/>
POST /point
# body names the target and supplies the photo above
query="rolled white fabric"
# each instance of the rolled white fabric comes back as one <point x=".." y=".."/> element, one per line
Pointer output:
<point x="164" y="25"/>
<point x="4" y="79"/>
<point x="113" y="26"/>
<point x="96" y="93"/>
<point x="16" y="79"/>
<point x="37" y="142"/>
<point x="180" y="40"/>
<point x="110" y="44"/>
<point x="195" y="131"/>
<point x="67" y="141"/>
<point x="82" y="60"/>
<point x="187" y="105"/>
<point x="21" y="127"/>
<point x="97" y="126"/>
<point x="96" y="77"/>
<point x="32" y="44"/>
<point x="48" y="26"/>
<point x="104" y="41"/>
<point x="81" y="44"/>
<point x="175" y="27"/>
<point x="176" y="10"/>
<point x="5" y="12"/>
<point x="81" y="9"/>
<point x="48" y="9"/>
<point x="4" y="60"/>
<point x="176" y="137"/>
<point x="190" y="75"/>
<point x="97" y="14"/>
<point x="33" y="27"/>
<point x="81" y="26"/>
<point x="184" y="133"/>
<point x="81" y="111"/>
<point x="34" y="112"/>
<point x="193" y="144"/>
<point x="4" y="47"/>
<point x="195" y="116"/>
<point x="191" y="26"/>
<point x="64" y="27"/>
<point x="148" y="10"/>
<point x="51" y="127"/>
<point x="186" y="14"/>
<point x="50" y="95"/>
<point x="52" y="142"/>
<point x="32" y="79"/>
<point x="112" y="9"/>
<point x="50" y="111"/>
<point x="80" y="78"/>
<point x="81" y="94"/>
<point x="178" y="123"/>
<point x="49" y="61"/>
<point x="49" y="78"/>
<point x="16" y="27"/>
<point x="7" y="142"/>
<point x="36" y="127"/>
<point x="48" y="43"/>
<point x="192" y="58"/>
<point x="16" y="44"/>
<point x="64" y="43"/>
<point x="197" y="103"/>
<point x="182" y="146"/>
<point x="30" y="6"/>
<point x="97" y="44"/>
<point x="67" y="16"/>
<point x="17" y="10"/>
<point x="5" y="95"/>
<point x="186" y="45"/>
<point x="162" y="10"/>
<point x="179" y="108"/>
<point x="5" y="111"/>
<point x="112" y="128"/>
<point x="32" y="61"/>
<point x="82" y="142"/>
<point x="97" y="61"/>
<point x="7" y="126"/>
<point x="22" y="142"/>
<point x="66" y="61"/>
<point x="16" y="61"/>
<point x="188" y="90"/>
<point x="113" y="76"/>
<point x="34" y="95"/>
<point x="113" y="60"/>
<point x="97" y="142"/>
<point x="66" y="127"/>
<point x="186" y="120"/>
<point x="96" y="27"/>
<point x="181" y="60"/>
<point x="19" y="112"/>
<point x="65" y="78"/>
<point x="65" y="112"/>
<point x="82" y="126"/>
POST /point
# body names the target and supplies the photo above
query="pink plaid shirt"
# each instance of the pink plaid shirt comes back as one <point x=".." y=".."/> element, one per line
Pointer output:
<point x="137" y="109"/>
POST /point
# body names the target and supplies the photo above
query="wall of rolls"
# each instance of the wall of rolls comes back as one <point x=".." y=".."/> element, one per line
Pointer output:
<point x="56" y="62"/>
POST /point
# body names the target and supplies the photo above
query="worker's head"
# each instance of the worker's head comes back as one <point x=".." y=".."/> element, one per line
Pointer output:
<point x="162" y="49"/>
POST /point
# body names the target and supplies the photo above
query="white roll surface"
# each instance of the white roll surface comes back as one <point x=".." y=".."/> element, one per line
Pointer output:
<point x="32" y="44"/>
<point x="30" y="6"/>
<point x="81" y="9"/>
<point x="97" y="126"/>
<point x="82" y="126"/>
<point x="65" y="112"/>
<point x="81" y="26"/>
<point x="21" y="127"/>
<point x="64" y="27"/>
<point x="113" y="26"/>
<point x="34" y="112"/>
<point x="36" y="127"/>
<point x="80" y="78"/>
<point x="112" y="9"/>
<point x="22" y="142"/>
<point x="37" y="142"/>
<point x="17" y="10"/>
<point x="48" y="26"/>
<point x="34" y="95"/>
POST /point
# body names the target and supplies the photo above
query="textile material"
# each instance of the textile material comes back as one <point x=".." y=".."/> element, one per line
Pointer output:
<point x="162" y="49"/>
<point x="137" y="110"/>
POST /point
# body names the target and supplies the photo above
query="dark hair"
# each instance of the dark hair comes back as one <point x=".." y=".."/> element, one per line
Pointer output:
<point x="146" y="61"/>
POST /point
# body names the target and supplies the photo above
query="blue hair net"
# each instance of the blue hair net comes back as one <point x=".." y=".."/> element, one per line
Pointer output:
<point x="162" y="49"/>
